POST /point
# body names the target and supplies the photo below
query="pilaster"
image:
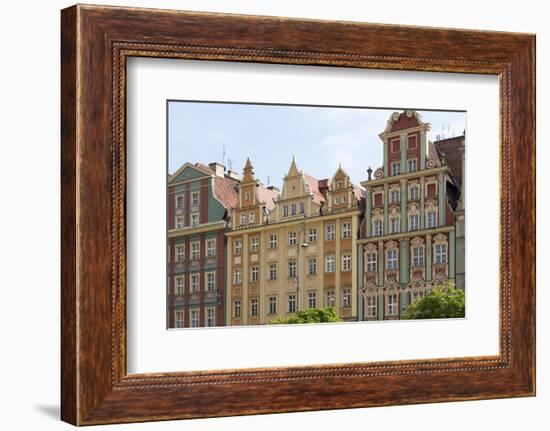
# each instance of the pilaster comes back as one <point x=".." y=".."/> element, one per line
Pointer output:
<point x="428" y="258"/>
<point x="441" y="199"/>
<point x="368" y="219"/>
<point x="403" y="147"/>
<point x="403" y="202"/>
<point x="386" y="228"/>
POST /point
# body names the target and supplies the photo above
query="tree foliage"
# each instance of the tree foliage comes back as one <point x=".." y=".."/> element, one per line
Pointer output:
<point x="442" y="302"/>
<point x="310" y="315"/>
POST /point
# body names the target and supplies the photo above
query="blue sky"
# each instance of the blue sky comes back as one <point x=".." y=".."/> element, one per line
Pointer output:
<point x="319" y="137"/>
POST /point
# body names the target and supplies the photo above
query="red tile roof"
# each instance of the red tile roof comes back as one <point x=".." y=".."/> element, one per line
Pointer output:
<point x="313" y="185"/>
<point x="267" y="195"/>
<point x="226" y="191"/>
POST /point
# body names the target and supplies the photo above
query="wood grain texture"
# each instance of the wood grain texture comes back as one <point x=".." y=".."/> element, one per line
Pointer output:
<point x="96" y="41"/>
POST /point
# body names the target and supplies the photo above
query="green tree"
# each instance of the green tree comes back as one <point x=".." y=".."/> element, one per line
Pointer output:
<point x="442" y="302"/>
<point x="310" y="315"/>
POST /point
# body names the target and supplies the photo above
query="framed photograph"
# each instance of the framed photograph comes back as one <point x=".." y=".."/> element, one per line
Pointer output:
<point x="286" y="207"/>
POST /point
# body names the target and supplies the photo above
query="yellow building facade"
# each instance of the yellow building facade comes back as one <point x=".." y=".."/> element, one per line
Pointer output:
<point x="293" y="249"/>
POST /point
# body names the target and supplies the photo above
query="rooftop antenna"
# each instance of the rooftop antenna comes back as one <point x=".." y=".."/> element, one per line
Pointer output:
<point x="223" y="154"/>
<point x="268" y="180"/>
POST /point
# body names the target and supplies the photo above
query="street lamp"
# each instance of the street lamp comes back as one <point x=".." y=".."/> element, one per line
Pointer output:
<point x="303" y="244"/>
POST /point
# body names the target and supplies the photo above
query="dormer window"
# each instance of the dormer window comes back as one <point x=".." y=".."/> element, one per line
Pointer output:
<point x="340" y="184"/>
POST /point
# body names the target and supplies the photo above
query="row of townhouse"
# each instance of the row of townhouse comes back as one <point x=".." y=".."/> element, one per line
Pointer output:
<point x="241" y="253"/>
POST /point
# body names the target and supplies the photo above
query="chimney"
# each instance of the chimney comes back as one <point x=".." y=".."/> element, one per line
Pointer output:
<point x="217" y="168"/>
<point x="234" y="175"/>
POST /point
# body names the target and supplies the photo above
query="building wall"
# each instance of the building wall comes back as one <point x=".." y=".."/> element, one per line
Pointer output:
<point x="280" y="256"/>
<point x="203" y="224"/>
<point x="403" y="229"/>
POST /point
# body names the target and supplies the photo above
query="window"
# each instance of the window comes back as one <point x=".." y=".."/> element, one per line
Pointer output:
<point x="293" y="209"/>
<point x="178" y="318"/>
<point x="243" y="218"/>
<point x="285" y="211"/>
<point x="396" y="168"/>
<point x="346" y="298"/>
<point x="330" y="231"/>
<point x="340" y="184"/>
<point x="272" y="241"/>
<point x="391" y="256"/>
<point x="237" y="276"/>
<point x="254" y="273"/>
<point x="272" y="274"/>
<point x="337" y="200"/>
<point x="329" y="263"/>
<point x="272" y="305"/>
<point x="292" y="269"/>
<point x="413" y="193"/>
<point x="371" y="262"/>
<point x="180" y="252"/>
<point x="417" y="295"/>
<point x="346" y="262"/>
<point x="329" y="298"/>
<point x="194" y="220"/>
<point x="252" y="217"/>
<point x="411" y="165"/>
<point x="431" y="219"/>
<point x="237" y="246"/>
<point x="195" y="250"/>
<point x="411" y="144"/>
<point x="254" y="243"/>
<point x="313" y="234"/>
<point x="291" y="304"/>
<point x="346" y="230"/>
<point x="418" y="256"/>
<point x="292" y="238"/>
<point x="194" y="318"/>
<point x="179" y="222"/>
<point x="394" y="196"/>
<point x="211" y="281"/>
<point x="179" y="281"/>
<point x="371" y="306"/>
<point x="247" y="196"/>
<point x="392" y="305"/>
<point x="211" y="316"/>
<point x="413" y="222"/>
<point x="395" y="146"/>
<point x="179" y="201"/>
<point x="312" y="265"/>
<point x="195" y="198"/>
<point x="237" y="308"/>
<point x="377" y="228"/>
<point x="394" y="225"/>
<point x="194" y="285"/>
<point x="378" y="199"/>
<point x="430" y="190"/>
<point x="302" y="208"/>
<point x="253" y="307"/>
<point x="441" y="253"/>
<point x="312" y="299"/>
<point x="211" y="247"/>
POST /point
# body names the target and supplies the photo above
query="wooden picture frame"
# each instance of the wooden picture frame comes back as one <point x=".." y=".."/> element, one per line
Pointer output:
<point x="95" y="42"/>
